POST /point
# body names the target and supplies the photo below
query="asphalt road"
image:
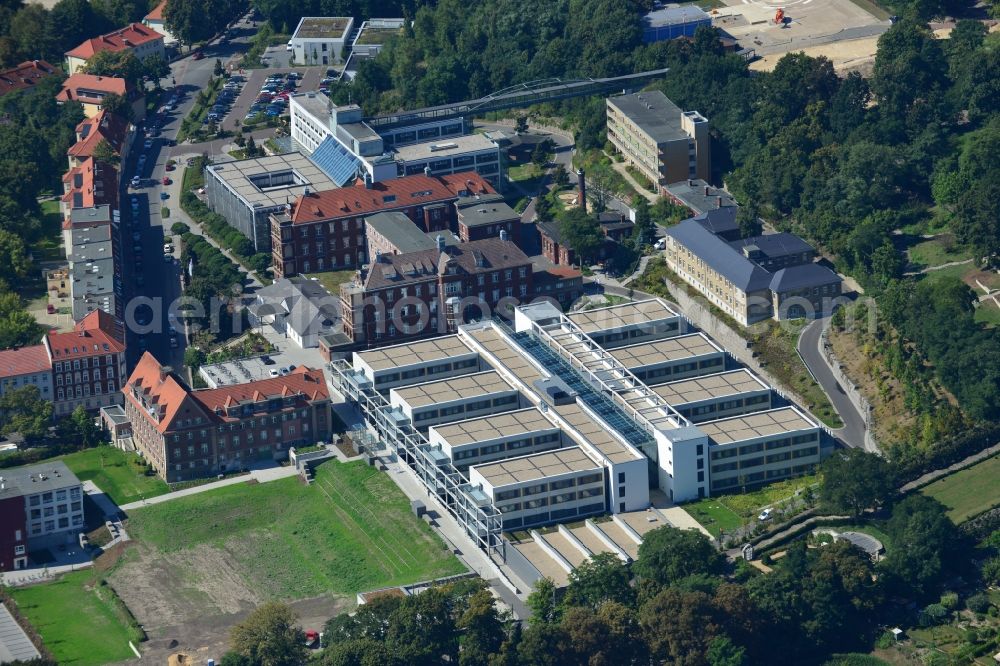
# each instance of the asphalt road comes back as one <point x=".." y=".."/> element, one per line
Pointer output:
<point x="853" y="432"/>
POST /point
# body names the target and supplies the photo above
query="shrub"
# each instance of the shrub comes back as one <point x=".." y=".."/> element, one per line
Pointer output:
<point x="949" y="600"/>
<point x="932" y="615"/>
<point x="979" y="603"/>
<point x="179" y="228"/>
<point x="164" y="212"/>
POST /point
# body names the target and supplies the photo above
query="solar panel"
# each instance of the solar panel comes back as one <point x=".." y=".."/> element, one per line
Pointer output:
<point x="336" y="161"/>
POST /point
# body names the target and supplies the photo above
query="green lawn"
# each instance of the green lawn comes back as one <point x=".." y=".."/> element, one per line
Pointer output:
<point x="728" y="512"/>
<point x="350" y="531"/>
<point x="49" y="245"/>
<point x="988" y="313"/>
<point x="117" y="473"/>
<point x="936" y="252"/>
<point x="970" y="491"/>
<point x="76" y="625"/>
<point x="528" y="175"/>
<point x="332" y="280"/>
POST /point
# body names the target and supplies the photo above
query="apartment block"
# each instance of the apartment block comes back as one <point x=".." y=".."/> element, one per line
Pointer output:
<point x="141" y="40"/>
<point x="91" y="242"/>
<point x="753" y="278"/>
<point x="88" y="363"/>
<point x="91" y="90"/>
<point x="189" y="434"/>
<point x="25" y="75"/>
<point x="51" y="498"/>
<point x="27" y="366"/>
<point x="665" y="144"/>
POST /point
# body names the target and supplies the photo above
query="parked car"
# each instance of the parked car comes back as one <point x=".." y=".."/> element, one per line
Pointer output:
<point x="765" y="514"/>
<point x="289" y="47"/>
<point x="168" y="259"/>
<point x="147" y="144"/>
<point x="135" y="204"/>
<point x="273" y="111"/>
<point x="164" y="196"/>
<point x="136" y="236"/>
<point x="170" y="166"/>
<point x="198" y="55"/>
<point x="136" y="181"/>
<point x="168" y="248"/>
<point x="166" y="180"/>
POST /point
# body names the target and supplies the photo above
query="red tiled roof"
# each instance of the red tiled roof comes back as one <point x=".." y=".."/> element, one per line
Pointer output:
<point x="171" y="398"/>
<point x="417" y="190"/>
<point x="90" y="132"/>
<point x="90" y="184"/>
<point x="312" y="383"/>
<point x="128" y="37"/>
<point x="25" y="75"/>
<point x="95" y="335"/>
<point x="563" y="272"/>
<point x="157" y="13"/>
<point x="78" y="86"/>
<point x="24" y="361"/>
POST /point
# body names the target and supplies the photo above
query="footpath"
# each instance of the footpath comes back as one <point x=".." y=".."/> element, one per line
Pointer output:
<point x="259" y="475"/>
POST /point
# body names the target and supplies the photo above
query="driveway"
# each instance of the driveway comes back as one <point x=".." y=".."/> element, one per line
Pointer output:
<point x="810" y="347"/>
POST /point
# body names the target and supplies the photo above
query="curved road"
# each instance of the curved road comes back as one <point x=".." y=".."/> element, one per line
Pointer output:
<point x="810" y="347"/>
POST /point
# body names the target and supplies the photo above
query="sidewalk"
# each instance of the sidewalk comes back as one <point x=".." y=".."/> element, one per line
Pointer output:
<point x="258" y="475"/>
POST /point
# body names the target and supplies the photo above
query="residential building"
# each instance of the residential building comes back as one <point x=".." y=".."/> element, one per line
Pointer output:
<point x="487" y="216"/>
<point x="25" y="75"/>
<point x="431" y="291"/>
<point x="141" y="40"/>
<point x="246" y="192"/>
<point x="27" y="366"/>
<point x="88" y="363"/>
<point x="92" y="183"/>
<point x="298" y="307"/>
<point x="673" y="22"/>
<point x="737" y="276"/>
<point x="103" y="127"/>
<point x="320" y="40"/>
<point x="156" y="20"/>
<point x="325" y="230"/>
<point x="13" y="529"/>
<point x="665" y="144"/>
<point x="90" y="91"/>
<point x="562" y="284"/>
<point x="188" y="434"/>
<point x="615" y="227"/>
<point x="51" y="498"/>
<point x="91" y="245"/>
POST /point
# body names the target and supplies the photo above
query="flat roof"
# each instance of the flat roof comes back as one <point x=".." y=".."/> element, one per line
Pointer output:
<point x="238" y="371"/>
<point x="752" y="426"/>
<point x="489" y="211"/>
<point x="236" y="175"/>
<point x="588" y="538"/>
<point x="596" y="434"/>
<point x="400" y="230"/>
<point x="322" y="27"/>
<point x="569" y="550"/>
<point x="508" y="356"/>
<point x="411" y="353"/>
<point x="543" y="562"/>
<point x="614" y="531"/>
<point x="445" y="147"/>
<point x="620" y="316"/>
<point x="453" y="388"/>
<point x="665" y="350"/>
<point x="644" y="522"/>
<point x="653" y="113"/>
<point x="536" y="466"/>
<point x="315" y="104"/>
<point x="706" y="387"/>
<point x="40" y="478"/>
<point x="495" y="426"/>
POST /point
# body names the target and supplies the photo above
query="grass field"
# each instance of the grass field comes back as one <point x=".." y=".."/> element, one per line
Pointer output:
<point x="117" y="473"/>
<point x="76" y="625"/>
<point x="970" y="491"/>
<point x="938" y="251"/>
<point x="350" y="531"/>
<point x="729" y="512"/>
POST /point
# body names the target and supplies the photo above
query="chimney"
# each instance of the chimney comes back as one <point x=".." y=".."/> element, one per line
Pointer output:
<point x="165" y="370"/>
<point x="707" y="188"/>
<point x="718" y="202"/>
<point x="440" y="243"/>
<point x="582" y="188"/>
<point x="305" y="191"/>
<point x="368" y="181"/>
<point x="503" y="234"/>
<point x="427" y="170"/>
<point x="690" y="183"/>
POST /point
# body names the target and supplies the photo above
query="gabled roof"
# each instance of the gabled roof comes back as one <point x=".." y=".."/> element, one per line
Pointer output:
<point x="486" y="255"/>
<point x="358" y="200"/>
<point x="803" y="276"/>
<point x="132" y="35"/>
<point x="157" y="13"/>
<point x="775" y="245"/>
<point x="25" y="75"/>
<point x="82" y="88"/>
<point x="104" y="126"/>
<point x="719" y="220"/>
<point x="164" y="396"/>
<point x="302" y="380"/>
<point x="723" y="258"/>
<point x="90" y="184"/>
<point x="97" y="334"/>
<point x="24" y="361"/>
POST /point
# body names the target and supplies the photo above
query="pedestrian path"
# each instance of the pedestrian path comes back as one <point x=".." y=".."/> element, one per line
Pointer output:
<point x="259" y="475"/>
<point x="14" y="643"/>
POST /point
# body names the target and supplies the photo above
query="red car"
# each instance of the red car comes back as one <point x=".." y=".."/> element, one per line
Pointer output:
<point x="166" y="181"/>
<point x="198" y="55"/>
<point x="170" y="167"/>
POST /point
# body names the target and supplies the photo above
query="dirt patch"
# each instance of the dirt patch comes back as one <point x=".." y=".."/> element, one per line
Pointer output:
<point x="987" y="279"/>
<point x="188" y="601"/>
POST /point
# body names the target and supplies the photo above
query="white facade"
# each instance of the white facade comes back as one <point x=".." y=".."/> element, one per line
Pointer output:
<point x="320" y="40"/>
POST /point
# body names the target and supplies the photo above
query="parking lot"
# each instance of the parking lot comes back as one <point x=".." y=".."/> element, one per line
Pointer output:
<point x="309" y="81"/>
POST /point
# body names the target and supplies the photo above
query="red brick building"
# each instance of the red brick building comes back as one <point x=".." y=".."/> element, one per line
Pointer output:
<point x="430" y="291"/>
<point x="25" y="75"/>
<point x="88" y="363"/>
<point x="188" y="434"/>
<point x="13" y="529"/>
<point x="487" y="216"/>
<point x="325" y="231"/>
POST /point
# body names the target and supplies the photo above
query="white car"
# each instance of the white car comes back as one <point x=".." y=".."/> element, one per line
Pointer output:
<point x="147" y="144"/>
<point x="289" y="47"/>
<point x="765" y="514"/>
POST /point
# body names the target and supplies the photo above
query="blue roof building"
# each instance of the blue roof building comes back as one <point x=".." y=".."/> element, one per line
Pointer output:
<point x="673" y="22"/>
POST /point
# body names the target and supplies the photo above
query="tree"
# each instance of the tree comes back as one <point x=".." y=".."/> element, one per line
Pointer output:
<point x="269" y="636"/>
<point x="483" y="630"/>
<point x="117" y="105"/>
<point x="359" y="652"/>
<point x="667" y="554"/>
<point x="601" y="578"/>
<point x="197" y="20"/>
<point x="24" y="411"/>
<point x="17" y="326"/>
<point x="722" y="652"/>
<point x="422" y="629"/>
<point x="119" y="64"/>
<point x="600" y="187"/>
<point x="14" y="263"/>
<point x="644" y="230"/>
<point x="678" y="626"/>
<point x="156" y="68"/>
<point x="103" y="152"/>
<point x="542" y="601"/>
<point x="582" y="233"/>
<point x="521" y="125"/>
<point x="218" y="70"/>
<point x="924" y="543"/>
<point x="560" y="176"/>
<point x="79" y="429"/>
<point x="748" y="217"/>
<point x="855" y="480"/>
<point x="609" y="635"/>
